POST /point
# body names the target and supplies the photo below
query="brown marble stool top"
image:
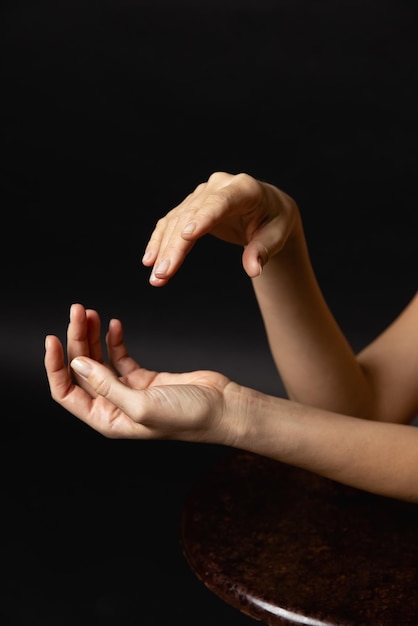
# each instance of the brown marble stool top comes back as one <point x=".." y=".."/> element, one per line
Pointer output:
<point x="285" y="546"/>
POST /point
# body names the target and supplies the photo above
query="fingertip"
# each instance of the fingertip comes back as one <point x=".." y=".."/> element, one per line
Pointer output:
<point x="154" y="281"/>
<point x="253" y="264"/>
<point x="259" y="268"/>
<point x="50" y="340"/>
<point x="254" y="272"/>
<point x="75" y="308"/>
<point x="115" y="327"/>
<point x="148" y="258"/>
<point x="81" y="366"/>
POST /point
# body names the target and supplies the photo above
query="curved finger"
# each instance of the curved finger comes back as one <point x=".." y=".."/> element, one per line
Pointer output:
<point x="267" y="242"/>
<point x="270" y="238"/>
<point x="58" y="373"/>
<point x="168" y="248"/>
<point x="70" y="396"/>
<point x="83" y="336"/>
<point x="59" y="379"/>
<point x="93" y="335"/>
<point x="163" y="225"/>
<point x="83" y="333"/>
<point x="117" y="350"/>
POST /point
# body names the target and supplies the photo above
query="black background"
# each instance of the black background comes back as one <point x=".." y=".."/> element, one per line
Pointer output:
<point x="111" y="112"/>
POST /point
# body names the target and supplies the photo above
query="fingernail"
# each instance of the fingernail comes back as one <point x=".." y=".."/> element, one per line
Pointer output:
<point x="81" y="367"/>
<point x="189" y="228"/>
<point x="162" y="268"/>
<point x="147" y="256"/>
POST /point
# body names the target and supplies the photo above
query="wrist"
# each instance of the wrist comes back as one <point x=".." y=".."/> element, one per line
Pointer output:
<point x="288" y="240"/>
<point x="241" y="413"/>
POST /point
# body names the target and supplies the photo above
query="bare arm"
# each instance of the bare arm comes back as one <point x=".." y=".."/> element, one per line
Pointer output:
<point x="390" y="364"/>
<point x="379" y="457"/>
<point x="316" y="362"/>
<point x="121" y="399"/>
<point x="314" y="359"/>
<point x="321" y="427"/>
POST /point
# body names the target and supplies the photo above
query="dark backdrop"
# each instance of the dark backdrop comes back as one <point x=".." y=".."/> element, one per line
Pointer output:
<point x="111" y="112"/>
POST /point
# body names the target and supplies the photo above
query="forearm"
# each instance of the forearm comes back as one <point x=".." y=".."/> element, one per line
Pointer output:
<point x="314" y="359"/>
<point x="378" y="457"/>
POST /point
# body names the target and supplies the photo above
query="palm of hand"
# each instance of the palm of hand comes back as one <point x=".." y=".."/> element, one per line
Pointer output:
<point x="165" y="406"/>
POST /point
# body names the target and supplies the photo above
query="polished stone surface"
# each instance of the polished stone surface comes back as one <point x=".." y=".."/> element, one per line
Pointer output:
<point x="285" y="546"/>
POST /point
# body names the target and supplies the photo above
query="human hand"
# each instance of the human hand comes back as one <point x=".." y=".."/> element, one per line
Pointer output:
<point x="121" y="399"/>
<point x="236" y="208"/>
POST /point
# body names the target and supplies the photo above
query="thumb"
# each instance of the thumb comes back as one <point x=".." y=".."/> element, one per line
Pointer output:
<point x="105" y="383"/>
<point x="265" y="243"/>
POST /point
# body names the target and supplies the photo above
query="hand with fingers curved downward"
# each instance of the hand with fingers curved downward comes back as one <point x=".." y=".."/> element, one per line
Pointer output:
<point x="234" y="207"/>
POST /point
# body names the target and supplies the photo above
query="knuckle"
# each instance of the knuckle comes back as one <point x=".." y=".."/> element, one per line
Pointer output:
<point x="244" y="178"/>
<point x="219" y="177"/>
<point x="189" y="213"/>
<point x="160" y="224"/>
<point x="199" y="188"/>
<point x="103" y="387"/>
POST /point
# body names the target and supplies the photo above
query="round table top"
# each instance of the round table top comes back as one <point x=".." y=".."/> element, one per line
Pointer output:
<point x="286" y="546"/>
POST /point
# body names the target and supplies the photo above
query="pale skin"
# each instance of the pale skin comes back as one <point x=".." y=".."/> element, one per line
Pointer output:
<point x="346" y="416"/>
